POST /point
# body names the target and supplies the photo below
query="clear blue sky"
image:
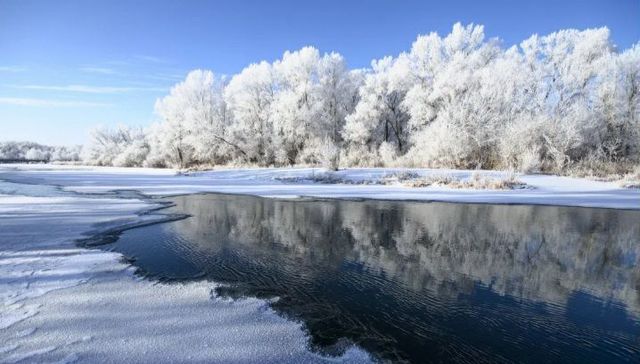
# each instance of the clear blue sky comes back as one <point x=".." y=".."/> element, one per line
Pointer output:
<point x="66" y="66"/>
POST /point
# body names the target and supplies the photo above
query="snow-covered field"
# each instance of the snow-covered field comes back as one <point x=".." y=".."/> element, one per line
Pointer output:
<point x="64" y="303"/>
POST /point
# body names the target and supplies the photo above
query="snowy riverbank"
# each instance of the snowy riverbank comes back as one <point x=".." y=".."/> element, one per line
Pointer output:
<point x="61" y="303"/>
<point x="267" y="182"/>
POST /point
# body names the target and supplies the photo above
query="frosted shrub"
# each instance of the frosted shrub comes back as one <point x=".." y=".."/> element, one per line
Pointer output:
<point x="486" y="182"/>
<point x="542" y="144"/>
<point x="388" y="154"/>
<point x="529" y="161"/>
<point x="66" y="154"/>
<point x="632" y="180"/>
<point x="477" y="180"/>
<point x="359" y="156"/>
<point x="133" y="155"/>
<point x="521" y="145"/>
<point x="326" y="177"/>
<point x="122" y="146"/>
<point x="400" y="177"/>
<point x="321" y="152"/>
<point x="36" y="154"/>
<point x="329" y="156"/>
<point x="430" y="180"/>
<point x="440" y="146"/>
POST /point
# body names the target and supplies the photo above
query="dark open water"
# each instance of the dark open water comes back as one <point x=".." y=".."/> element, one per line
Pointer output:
<point x="417" y="282"/>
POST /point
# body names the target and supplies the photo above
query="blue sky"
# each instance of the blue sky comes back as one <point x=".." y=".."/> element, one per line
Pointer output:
<point x="66" y="66"/>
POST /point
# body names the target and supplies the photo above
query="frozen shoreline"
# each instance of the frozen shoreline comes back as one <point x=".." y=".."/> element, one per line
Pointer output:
<point x="62" y="303"/>
<point x="546" y="189"/>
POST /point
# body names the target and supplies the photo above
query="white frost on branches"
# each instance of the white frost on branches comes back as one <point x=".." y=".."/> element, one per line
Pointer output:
<point x="461" y="100"/>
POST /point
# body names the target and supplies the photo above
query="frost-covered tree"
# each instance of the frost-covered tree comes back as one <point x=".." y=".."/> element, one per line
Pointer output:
<point x="295" y="104"/>
<point x="379" y="117"/>
<point x="555" y="102"/>
<point x="37" y="154"/>
<point x="194" y="123"/>
<point x="454" y="103"/>
<point x="336" y="95"/>
<point x="617" y="106"/>
<point x="66" y="154"/>
<point x="34" y="151"/>
<point x="249" y="96"/>
<point x="564" y="69"/>
<point x="123" y="146"/>
<point x="314" y="95"/>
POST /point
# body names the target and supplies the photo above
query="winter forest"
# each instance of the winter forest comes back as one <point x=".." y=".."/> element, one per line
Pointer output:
<point x="556" y="103"/>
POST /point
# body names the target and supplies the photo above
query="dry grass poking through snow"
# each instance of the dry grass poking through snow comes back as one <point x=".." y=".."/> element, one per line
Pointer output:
<point x="412" y="179"/>
<point x="321" y="177"/>
<point x="631" y="180"/>
<point x="477" y="181"/>
<point x="622" y="173"/>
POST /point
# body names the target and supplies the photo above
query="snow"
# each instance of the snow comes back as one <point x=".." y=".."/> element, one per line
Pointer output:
<point x="546" y="189"/>
<point x="61" y="303"/>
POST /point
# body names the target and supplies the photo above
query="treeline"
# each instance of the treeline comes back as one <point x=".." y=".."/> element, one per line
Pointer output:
<point x="28" y="151"/>
<point x="553" y="103"/>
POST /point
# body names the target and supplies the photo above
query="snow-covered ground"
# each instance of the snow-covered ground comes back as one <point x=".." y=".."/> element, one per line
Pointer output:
<point x="64" y="303"/>
<point x="546" y="190"/>
<point x="61" y="303"/>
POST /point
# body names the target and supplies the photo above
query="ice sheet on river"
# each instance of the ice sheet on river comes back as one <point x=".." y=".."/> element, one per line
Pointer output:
<point x="61" y="303"/>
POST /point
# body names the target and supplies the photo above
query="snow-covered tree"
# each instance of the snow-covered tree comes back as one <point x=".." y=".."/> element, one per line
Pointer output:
<point x="37" y="154"/>
<point x="35" y="151"/>
<point x="617" y="106"/>
<point x="123" y="146"/>
<point x="379" y="116"/>
<point x="555" y="102"/>
<point x="295" y="104"/>
<point x="454" y="103"/>
<point x="66" y="154"/>
<point x="194" y="123"/>
<point x="249" y="96"/>
<point x="336" y="95"/>
<point x="564" y="70"/>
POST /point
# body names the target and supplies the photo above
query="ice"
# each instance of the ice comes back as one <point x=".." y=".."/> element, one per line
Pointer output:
<point x="61" y="303"/>
<point x="546" y="189"/>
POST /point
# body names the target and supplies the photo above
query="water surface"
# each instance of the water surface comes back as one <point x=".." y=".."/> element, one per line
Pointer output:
<point x="417" y="282"/>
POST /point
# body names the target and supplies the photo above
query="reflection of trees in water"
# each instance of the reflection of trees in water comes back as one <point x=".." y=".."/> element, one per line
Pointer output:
<point x="538" y="253"/>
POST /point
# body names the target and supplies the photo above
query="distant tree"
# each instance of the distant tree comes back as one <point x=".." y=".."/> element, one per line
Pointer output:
<point x="36" y="154"/>
<point x="123" y="146"/>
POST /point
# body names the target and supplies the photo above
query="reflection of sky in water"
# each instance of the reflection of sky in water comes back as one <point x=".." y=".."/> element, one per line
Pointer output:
<point x="412" y="280"/>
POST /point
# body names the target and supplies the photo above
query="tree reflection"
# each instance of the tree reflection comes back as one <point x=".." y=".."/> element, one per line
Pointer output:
<point x="527" y="252"/>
